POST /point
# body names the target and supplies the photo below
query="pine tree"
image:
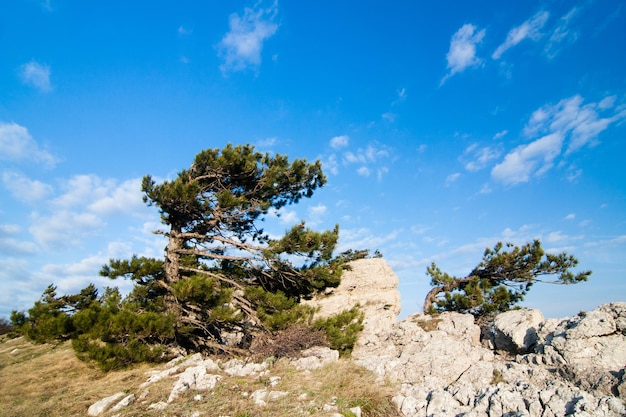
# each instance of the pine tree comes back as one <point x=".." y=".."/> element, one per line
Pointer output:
<point x="501" y="280"/>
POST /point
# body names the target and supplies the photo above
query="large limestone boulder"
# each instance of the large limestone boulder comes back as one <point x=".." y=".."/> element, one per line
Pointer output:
<point x="516" y="330"/>
<point x="371" y="284"/>
<point x="590" y="349"/>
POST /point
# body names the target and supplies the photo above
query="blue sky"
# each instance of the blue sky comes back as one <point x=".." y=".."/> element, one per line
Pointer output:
<point x="443" y="127"/>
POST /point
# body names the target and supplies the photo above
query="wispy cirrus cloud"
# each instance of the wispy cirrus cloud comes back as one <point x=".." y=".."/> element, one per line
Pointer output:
<point x="241" y="46"/>
<point x="36" y="75"/>
<point x="462" y="53"/>
<point x="530" y="29"/>
<point x="560" y="130"/>
<point x="562" y="33"/>
<point x="17" y="145"/>
<point x="476" y="157"/>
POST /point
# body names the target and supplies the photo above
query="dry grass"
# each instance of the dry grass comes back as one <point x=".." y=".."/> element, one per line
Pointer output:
<point x="45" y="380"/>
<point x="428" y="323"/>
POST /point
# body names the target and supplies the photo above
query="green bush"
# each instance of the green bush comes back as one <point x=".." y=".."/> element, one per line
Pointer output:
<point x="342" y="330"/>
<point x="278" y="311"/>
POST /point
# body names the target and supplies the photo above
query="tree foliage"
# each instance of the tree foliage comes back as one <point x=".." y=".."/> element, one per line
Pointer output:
<point x="501" y="280"/>
<point x="222" y="279"/>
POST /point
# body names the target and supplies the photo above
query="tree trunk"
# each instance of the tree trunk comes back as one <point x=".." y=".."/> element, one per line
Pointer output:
<point x="431" y="297"/>
<point x="172" y="271"/>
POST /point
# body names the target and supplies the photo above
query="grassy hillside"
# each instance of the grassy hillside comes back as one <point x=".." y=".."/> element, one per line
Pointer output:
<point x="47" y="380"/>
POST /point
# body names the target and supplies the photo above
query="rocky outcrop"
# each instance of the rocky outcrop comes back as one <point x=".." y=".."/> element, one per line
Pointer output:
<point x="529" y="366"/>
<point x="443" y="366"/>
<point x="443" y="370"/>
<point x="589" y="349"/>
<point x="373" y="286"/>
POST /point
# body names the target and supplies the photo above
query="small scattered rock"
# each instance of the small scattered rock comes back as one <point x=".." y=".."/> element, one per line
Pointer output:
<point x="125" y="402"/>
<point x="101" y="406"/>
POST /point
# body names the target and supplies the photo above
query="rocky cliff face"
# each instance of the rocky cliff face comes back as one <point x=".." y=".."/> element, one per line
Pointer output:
<point x="527" y="366"/>
<point x="440" y="365"/>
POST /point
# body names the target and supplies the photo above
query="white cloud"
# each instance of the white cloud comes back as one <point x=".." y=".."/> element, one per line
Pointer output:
<point x="318" y="210"/>
<point x="101" y="196"/>
<point x="25" y="189"/>
<point x="526" y="160"/>
<point x="286" y="217"/>
<point x="570" y="216"/>
<point x="570" y="116"/>
<point x="82" y="189"/>
<point x="400" y="96"/>
<point x="316" y="214"/>
<point x="10" y="242"/>
<point x="363" y="171"/>
<point x="331" y="165"/>
<point x="462" y="53"/>
<point x="452" y="178"/>
<point x="530" y="29"/>
<point x="364" y="238"/>
<point x="64" y="228"/>
<point x="47" y="5"/>
<point x="83" y="208"/>
<point x="268" y="142"/>
<point x="36" y="75"/>
<point x="389" y="116"/>
<point x="368" y="158"/>
<point x="570" y="123"/>
<point x="562" y="33"/>
<point x="500" y="134"/>
<point x="369" y="154"/>
<point x="475" y="158"/>
<point x="339" y="142"/>
<point x="380" y="172"/>
<point x="241" y="46"/>
<point x="17" y="145"/>
<point x="17" y="293"/>
<point x="183" y="31"/>
<point x="485" y="189"/>
<point x="123" y="198"/>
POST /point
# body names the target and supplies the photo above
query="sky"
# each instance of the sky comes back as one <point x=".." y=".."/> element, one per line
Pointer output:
<point x="443" y="127"/>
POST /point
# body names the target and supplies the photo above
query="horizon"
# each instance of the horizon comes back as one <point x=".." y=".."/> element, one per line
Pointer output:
<point x="442" y="129"/>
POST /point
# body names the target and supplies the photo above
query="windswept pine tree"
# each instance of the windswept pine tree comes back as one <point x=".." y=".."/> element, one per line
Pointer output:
<point x="222" y="280"/>
<point x="500" y="281"/>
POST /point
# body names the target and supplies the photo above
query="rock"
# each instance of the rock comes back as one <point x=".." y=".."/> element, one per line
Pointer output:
<point x="262" y="396"/>
<point x="161" y="405"/>
<point x="371" y="284"/>
<point x="237" y="367"/>
<point x="315" y="357"/>
<point x="442" y="403"/>
<point x="196" y="378"/>
<point x="125" y="402"/>
<point x="590" y="349"/>
<point x="156" y="376"/>
<point x="101" y="406"/>
<point x="356" y="411"/>
<point x="516" y="330"/>
<point x="422" y="353"/>
<point x="175" y="366"/>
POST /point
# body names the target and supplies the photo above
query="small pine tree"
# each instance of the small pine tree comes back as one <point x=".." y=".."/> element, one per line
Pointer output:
<point x="500" y="281"/>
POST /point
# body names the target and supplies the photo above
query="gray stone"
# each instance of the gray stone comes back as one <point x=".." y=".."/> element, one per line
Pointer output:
<point x="315" y="358"/>
<point x="101" y="406"/>
<point x="125" y="402"/>
<point x="516" y="330"/>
